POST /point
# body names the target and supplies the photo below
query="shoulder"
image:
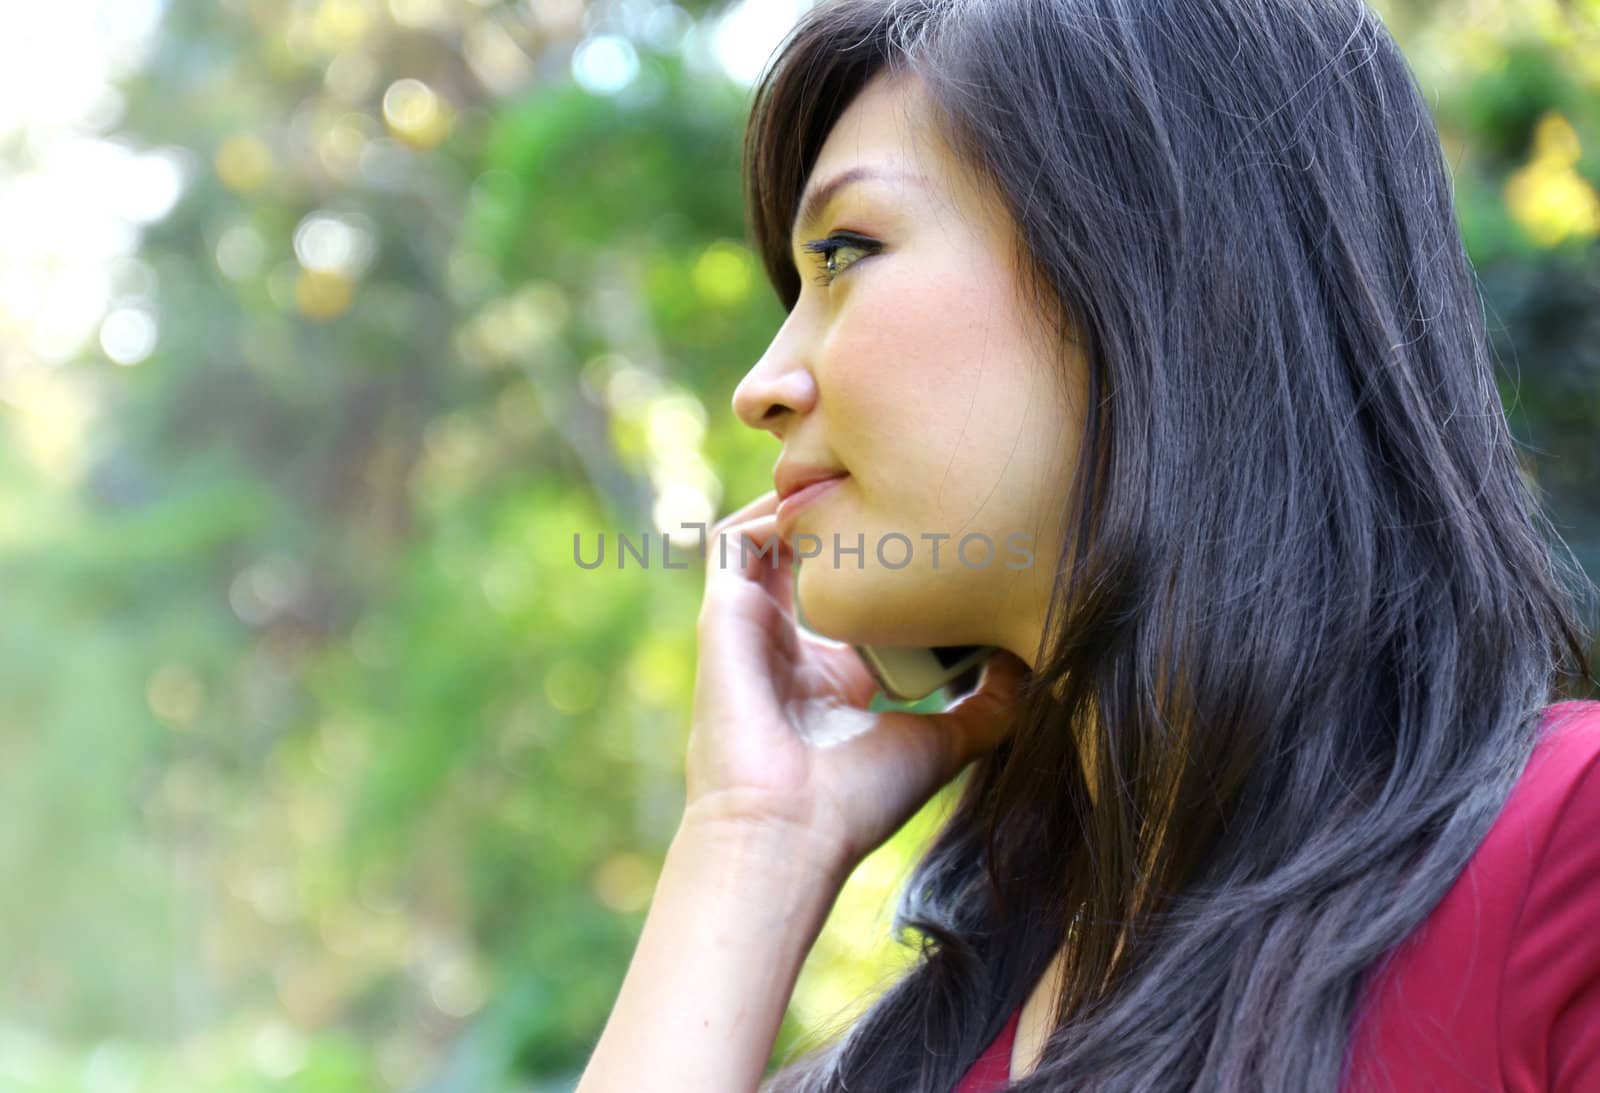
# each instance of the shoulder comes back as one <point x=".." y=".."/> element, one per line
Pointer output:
<point x="1567" y="752"/>
<point x="1541" y="830"/>
<point x="1550" y="994"/>
<point x="1493" y="981"/>
<point x="1540" y="826"/>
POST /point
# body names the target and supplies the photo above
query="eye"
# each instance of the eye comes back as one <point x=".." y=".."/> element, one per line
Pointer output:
<point x="832" y="245"/>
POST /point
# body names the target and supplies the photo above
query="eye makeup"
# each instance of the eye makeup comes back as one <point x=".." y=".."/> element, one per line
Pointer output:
<point x="834" y="243"/>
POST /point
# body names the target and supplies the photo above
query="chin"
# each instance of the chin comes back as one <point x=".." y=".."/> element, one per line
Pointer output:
<point x="839" y="604"/>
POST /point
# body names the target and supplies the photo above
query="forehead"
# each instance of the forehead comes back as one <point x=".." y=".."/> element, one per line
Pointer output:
<point x="884" y="140"/>
<point x="883" y="128"/>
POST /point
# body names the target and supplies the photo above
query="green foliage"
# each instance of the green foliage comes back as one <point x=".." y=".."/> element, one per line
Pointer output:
<point x="331" y="769"/>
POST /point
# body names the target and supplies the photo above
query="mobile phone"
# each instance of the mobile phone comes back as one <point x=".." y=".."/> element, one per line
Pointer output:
<point x="910" y="673"/>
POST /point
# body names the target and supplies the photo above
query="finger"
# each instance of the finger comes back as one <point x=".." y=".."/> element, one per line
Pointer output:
<point x="770" y="564"/>
<point x="739" y="624"/>
<point x="767" y="502"/>
<point x="842" y="671"/>
<point x="981" y="720"/>
<point x="712" y="547"/>
<point x="750" y="550"/>
<point x="779" y="571"/>
<point x="785" y="575"/>
<point x="748" y="590"/>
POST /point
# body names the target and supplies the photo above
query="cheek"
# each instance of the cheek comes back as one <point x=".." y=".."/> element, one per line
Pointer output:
<point x="929" y="385"/>
<point x="917" y="348"/>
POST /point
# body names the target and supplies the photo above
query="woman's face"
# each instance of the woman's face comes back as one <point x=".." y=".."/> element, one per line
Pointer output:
<point x="918" y="372"/>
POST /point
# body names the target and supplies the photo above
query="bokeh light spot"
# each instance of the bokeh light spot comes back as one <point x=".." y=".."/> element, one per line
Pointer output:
<point x="624" y="882"/>
<point x="415" y="114"/>
<point x="128" y="335"/>
<point x="724" y="274"/>
<point x="243" y="163"/>
<point x="605" y="64"/>
<point x="175" y="694"/>
<point x="320" y="295"/>
<point x="572" y="686"/>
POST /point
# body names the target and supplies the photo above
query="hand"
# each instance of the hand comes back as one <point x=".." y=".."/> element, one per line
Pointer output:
<point x="782" y="739"/>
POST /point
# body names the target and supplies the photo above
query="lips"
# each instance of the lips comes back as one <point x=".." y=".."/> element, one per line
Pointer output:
<point x="788" y="477"/>
<point x="804" y="496"/>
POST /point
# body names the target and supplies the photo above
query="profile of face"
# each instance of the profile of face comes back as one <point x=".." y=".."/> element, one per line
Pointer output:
<point x="918" y="371"/>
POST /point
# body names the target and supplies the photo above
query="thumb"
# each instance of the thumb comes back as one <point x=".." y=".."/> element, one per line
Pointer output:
<point x="978" y="722"/>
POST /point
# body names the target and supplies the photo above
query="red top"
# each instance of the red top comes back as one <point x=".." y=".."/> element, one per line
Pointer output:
<point x="993" y="1068"/>
<point x="1499" y="987"/>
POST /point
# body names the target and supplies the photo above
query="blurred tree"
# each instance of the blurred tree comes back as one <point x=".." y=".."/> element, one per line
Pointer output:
<point x="331" y="766"/>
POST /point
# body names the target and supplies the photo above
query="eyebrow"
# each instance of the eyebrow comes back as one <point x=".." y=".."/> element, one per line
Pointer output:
<point x="816" y="201"/>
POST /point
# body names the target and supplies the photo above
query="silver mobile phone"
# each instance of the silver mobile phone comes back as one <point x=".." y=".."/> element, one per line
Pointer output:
<point x="910" y="673"/>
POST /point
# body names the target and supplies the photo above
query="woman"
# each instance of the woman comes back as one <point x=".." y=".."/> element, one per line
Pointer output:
<point x="1268" y="787"/>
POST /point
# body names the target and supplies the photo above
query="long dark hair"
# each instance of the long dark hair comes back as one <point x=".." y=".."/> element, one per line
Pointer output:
<point x="1310" y="610"/>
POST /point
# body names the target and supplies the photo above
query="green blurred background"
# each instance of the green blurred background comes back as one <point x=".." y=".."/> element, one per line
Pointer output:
<point x="324" y="325"/>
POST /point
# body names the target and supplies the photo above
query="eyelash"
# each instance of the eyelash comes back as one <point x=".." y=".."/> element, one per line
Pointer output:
<point x="834" y="243"/>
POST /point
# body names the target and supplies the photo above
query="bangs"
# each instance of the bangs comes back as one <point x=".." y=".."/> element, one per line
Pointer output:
<point x="814" y="75"/>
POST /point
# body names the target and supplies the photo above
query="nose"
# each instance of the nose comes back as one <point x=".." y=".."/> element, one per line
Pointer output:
<point x="773" y="393"/>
